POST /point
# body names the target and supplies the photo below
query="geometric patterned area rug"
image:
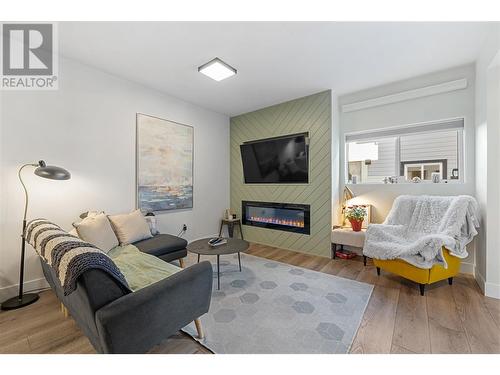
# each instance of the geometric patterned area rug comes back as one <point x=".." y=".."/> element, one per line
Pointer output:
<point x="277" y="308"/>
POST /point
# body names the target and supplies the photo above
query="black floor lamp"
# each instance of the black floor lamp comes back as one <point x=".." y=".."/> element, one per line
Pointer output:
<point x="45" y="171"/>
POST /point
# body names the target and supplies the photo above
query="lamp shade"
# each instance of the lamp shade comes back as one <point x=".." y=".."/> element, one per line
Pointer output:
<point x="52" y="172"/>
<point x="348" y="194"/>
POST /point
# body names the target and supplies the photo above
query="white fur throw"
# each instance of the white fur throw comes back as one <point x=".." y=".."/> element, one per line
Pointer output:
<point x="417" y="228"/>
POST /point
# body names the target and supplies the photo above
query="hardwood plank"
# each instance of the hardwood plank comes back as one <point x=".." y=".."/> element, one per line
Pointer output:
<point x="47" y="339"/>
<point x="447" y="334"/>
<point x="15" y="347"/>
<point x="179" y="343"/>
<point x="272" y="253"/>
<point x="334" y="266"/>
<point x="376" y="329"/>
<point x="79" y="345"/>
<point x="351" y="271"/>
<point x="369" y="275"/>
<point x="286" y="256"/>
<point x="482" y="332"/>
<point x="263" y="251"/>
<point x="460" y="319"/>
<point x="296" y="259"/>
<point x="411" y="328"/>
<point x="46" y="300"/>
<point x="315" y="263"/>
<point x="395" y="349"/>
<point x="493" y="306"/>
<point x="390" y="280"/>
<point x="26" y="324"/>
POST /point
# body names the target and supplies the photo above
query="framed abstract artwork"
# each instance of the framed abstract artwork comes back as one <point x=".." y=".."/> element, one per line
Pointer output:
<point x="164" y="164"/>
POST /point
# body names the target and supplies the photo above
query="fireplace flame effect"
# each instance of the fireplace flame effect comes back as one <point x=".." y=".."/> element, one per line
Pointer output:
<point x="272" y="220"/>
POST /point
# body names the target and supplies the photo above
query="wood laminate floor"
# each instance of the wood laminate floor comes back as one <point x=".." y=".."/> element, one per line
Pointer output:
<point x="448" y="319"/>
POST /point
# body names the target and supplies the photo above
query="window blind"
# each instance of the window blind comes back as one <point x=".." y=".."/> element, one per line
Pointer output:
<point x="405" y="130"/>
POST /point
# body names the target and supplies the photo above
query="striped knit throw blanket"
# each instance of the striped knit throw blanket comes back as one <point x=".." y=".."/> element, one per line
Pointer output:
<point x="68" y="255"/>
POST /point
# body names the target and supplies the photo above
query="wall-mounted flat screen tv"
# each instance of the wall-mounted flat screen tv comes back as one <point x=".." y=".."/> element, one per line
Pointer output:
<point x="280" y="160"/>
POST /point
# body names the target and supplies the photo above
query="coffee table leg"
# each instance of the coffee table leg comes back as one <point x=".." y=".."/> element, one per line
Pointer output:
<point x="239" y="260"/>
<point x="241" y="230"/>
<point x="218" y="272"/>
<point x="198" y="258"/>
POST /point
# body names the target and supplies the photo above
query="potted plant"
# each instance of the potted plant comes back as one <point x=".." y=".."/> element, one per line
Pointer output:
<point x="356" y="215"/>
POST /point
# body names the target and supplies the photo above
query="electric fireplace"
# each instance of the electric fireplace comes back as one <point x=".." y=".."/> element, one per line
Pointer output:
<point x="289" y="217"/>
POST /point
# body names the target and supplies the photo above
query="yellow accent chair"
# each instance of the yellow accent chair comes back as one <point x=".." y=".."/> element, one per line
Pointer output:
<point x="420" y="275"/>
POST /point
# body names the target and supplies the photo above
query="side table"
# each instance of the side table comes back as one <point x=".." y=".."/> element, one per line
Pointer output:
<point x="346" y="236"/>
<point x="230" y="227"/>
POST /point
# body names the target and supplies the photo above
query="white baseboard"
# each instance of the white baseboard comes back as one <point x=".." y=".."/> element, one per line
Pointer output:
<point x="207" y="236"/>
<point x="489" y="289"/>
<point x="492" y="290"/>
<point x="12" y="290"/>
<point x="480" y="280"/>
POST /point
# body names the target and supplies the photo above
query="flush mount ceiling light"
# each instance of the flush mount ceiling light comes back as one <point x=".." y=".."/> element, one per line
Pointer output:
<point x="217" y="69"/>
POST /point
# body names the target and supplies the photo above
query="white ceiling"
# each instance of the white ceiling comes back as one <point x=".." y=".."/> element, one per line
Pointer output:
<point x="275" y="61"/>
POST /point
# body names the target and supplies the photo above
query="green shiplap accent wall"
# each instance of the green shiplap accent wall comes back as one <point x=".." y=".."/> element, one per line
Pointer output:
<point x="311" y="114"/>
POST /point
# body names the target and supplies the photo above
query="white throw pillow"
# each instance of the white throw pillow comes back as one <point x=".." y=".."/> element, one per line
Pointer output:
<point x="130" y="227"/>
<point x="98" y="231"/>
<point x="85" y="215"/>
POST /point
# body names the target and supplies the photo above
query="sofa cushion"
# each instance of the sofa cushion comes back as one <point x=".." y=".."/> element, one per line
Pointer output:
<point x="161" y="244"/>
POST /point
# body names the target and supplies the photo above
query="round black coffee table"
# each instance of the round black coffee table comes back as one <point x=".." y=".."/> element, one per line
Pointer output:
<point x="233" y="246"/>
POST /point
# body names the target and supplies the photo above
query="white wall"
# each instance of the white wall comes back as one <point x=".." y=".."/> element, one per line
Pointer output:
<point x="88" y="127"/>
<point x="487" y="166"/>
<point x="447" y="105"/>
<point x="336" y="194"/>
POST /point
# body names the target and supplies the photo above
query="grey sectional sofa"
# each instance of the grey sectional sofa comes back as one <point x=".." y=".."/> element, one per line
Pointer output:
<point x="118" y="321"/>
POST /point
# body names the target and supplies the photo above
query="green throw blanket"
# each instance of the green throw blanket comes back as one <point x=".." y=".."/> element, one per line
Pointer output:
<point x="140" y="269"/>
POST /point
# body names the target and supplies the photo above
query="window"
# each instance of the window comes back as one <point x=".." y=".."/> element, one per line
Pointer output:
<point x="406" y="154"/>
<point x="423" y="170"/>
<point x="372" y="166"/>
